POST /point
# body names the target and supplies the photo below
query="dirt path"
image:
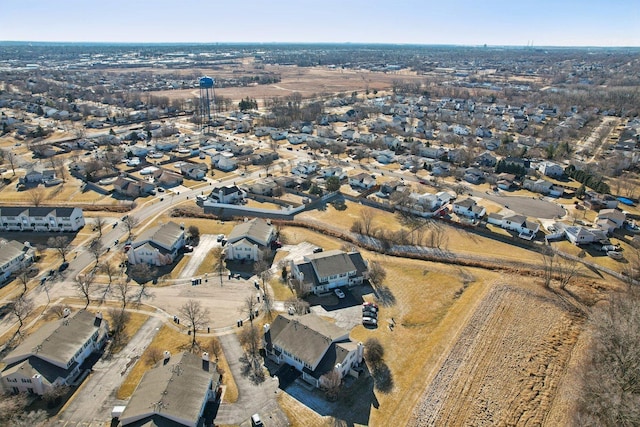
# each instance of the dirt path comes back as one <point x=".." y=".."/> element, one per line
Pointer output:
<point x="505" y="366"/>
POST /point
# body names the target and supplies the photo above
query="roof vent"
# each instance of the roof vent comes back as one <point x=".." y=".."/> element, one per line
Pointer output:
<point x="167" y="355"/>
<point x="205" y="356"/>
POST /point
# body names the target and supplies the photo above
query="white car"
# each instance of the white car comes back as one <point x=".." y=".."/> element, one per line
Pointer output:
<point x="614" y="255"/>
<point x="369" y="321"/>
<point x="339" y="293"/>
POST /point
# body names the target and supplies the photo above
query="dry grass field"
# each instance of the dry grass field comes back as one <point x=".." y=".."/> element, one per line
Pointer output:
<point x="170" y="339"/>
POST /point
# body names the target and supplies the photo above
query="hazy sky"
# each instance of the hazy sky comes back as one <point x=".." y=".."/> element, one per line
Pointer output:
<point x="468" y="22"/>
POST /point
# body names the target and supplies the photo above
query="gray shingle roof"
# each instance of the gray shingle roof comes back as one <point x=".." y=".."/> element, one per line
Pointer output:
<point x="331" y="263"/>
<point x="257" y="230"/>
<point x="58" y="341"/>
<point x="177" y="388"/>
<point x="164" y="235"/>
<point x="307" y="337"/>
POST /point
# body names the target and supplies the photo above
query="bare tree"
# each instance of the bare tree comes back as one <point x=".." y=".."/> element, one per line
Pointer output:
<point x="96" y="248"/>
<point x="153" y="355"/>
<point x="37" y="195"/>
<point x="214" y="347"/>
<point x="23" y="278"/>
<point x="60" y="244"/>
<point x="299" y="305"/>
<point x="58" y="310"/>
<point x="11" y="158"/>
<point x="197" y="317"/>
<point x="119" y="319"/>
<point x="249" y="307"/>
<point x="84" y="285"/>
<point x="548" y="267"/>
<point x="250" y="339"/>
<point x="21" y="307"/>
<point x="141" y="272"/>
<point x="331" y="384"/>
<point x="99" y="223"/>
<point x="377" y="273"/>
<point x="566" y="270"/>
<point x="373" y="351"/>
<point x="367" y="216"/>
<point x="130" y="222"/>
<point x="608" y="393"/>
<point x="194" y="232"/>
<point x="218" y="262"/>
<point x="110" y="270"/>
<point x="121" y="291"/>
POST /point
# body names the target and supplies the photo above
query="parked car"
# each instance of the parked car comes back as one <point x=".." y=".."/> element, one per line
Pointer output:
<point x="339" y="293"/>
<point x="370" y="304"/>
<point x="369" y="312"/>
<point x="256" y="421"/>
<point x="609" y="248"/>
<point x="63" y="266"/>
<point x="160" y="190"/>
<point x="317" y="250"/>
<point x="369" y="321"/>
<point x="220" y="237"/>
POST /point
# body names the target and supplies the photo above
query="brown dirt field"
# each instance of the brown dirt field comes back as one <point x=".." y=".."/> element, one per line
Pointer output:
<point x="308" y="81"/>
<point x="502" y="370"/>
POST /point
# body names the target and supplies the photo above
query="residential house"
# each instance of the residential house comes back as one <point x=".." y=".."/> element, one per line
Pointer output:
<point x="613" y="215"/>
<point x="597" y="201"/>
<point x="175" y="392"/>
<point x="543" y="187"/>
<point x="468" y="208"/>
<point x="195" y="171"/>
<point x="158" y="245"/>
<point x="441" y="168"/>
<point x="551" y="169"/>
<point x="333" y="171"/>
<point x="486" y="159"/>
<point x="52" y="355"/>
<point x="385" y="156"/>
<point x="167" y="179"/>
<point x="278" y="135"/>
<point x="14" y="256"/>
<point x="224" y="162"/>
<point x="579" y="235"/>
<point x="132" y="187"/>
<point x="305" y="168"/>
<point x="313" y="346"/>
<point x="519" y="223"/>
<point x="250" y="239"/>
<point x="227" y="194"/>
<point x="473" y="175"/>
<point x="432" y="152"/>
<point x="265" y="187"/>
<point x="362" y="180"/>
<point x="321" y="272"/>
<point x="40" y="219"/>
<point x="38" y="177"/>
<point x="505" y="181"/>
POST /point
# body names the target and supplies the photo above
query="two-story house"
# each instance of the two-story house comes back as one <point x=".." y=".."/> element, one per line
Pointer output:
<point x="468" y="208"/>
<point x="41" y="219"/>
<point x="227" y="194"/>
<point x="52" y="355"/>
<point x="321" y="272"/>
<point x="174" y="393"/>
<point x="158" y="245"/>
<point x="313" y="346"/>
<point x="13" y="257"/>
<point x="249" y="240"/>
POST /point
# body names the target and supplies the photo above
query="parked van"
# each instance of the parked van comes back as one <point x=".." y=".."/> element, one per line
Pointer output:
<point x="256" y="421"/>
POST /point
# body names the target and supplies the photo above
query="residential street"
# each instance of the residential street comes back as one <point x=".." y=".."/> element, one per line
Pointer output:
<point x="92" y="403"/>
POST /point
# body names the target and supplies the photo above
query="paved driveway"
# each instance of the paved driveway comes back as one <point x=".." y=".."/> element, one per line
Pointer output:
<point x="94" y="400"/>
<point x="206" y="243"/>
<point x="252" y="398"/>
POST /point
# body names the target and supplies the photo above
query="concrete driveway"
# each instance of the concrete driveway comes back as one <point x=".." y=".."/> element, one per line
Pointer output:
<point x="252" y="398"/>
<point x="206" y="243"/>
<point x="93" y="401"/>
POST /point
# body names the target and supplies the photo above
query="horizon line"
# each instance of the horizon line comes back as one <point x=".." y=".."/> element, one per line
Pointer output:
<point x="186" y="43"/>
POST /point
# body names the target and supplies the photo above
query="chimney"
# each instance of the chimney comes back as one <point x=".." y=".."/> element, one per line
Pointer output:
<point x="167" y="355"/>
<point x="66" y="312"/>
<point x="205" y="356"/>
<point x="99" y="315"/>
<point x="266" y="327"/>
